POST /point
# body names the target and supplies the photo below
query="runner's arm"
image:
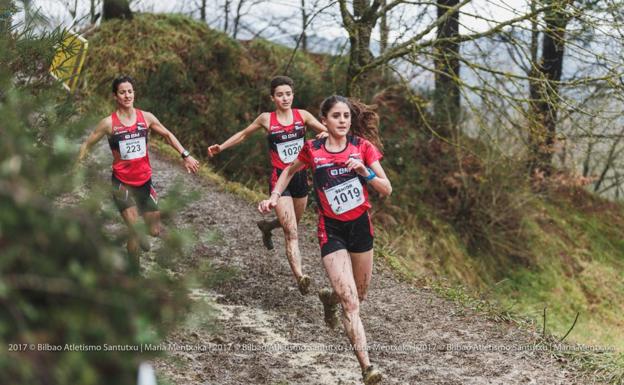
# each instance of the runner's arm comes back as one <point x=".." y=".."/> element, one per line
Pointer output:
<point x="285" y="177"/>
<point x="260" y="122"/>
<point x="379" y="182"/>
<point x="190" y="163"/>
<point x="102" y="128"/>
<point x="314" y="124"/>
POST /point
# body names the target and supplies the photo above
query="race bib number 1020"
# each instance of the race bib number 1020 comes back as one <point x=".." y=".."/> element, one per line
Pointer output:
<point x="345" y="196"/>
<point x="132" y="148"/>
<point x="288" y="151"/>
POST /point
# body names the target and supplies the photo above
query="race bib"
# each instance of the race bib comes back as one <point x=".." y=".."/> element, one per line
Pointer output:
<point x="288" y="151"/>
<point x="345" y="196"/>
<point x="132" y="148"/>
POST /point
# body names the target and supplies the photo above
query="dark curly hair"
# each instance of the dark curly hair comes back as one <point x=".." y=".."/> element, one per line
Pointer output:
<point x="282" y="81"/>
<point x="364" y="120"/>
<point x="122" y="79"/>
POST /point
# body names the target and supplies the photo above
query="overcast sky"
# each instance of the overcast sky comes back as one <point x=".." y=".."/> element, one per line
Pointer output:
<point x="326" y="24"/>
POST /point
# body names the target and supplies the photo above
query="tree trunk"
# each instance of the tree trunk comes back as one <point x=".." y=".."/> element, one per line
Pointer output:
<point x="304" y="25"/>
<point x="544" y="90"/>
<point x="92" y="11"/>
<point x="446" y="61"/>
<point x="226" y="19"/>
<point x="202" y="10"/>
<point x="360" y="54"/>
<point x="116" y="9"/>
<point x="383" y="31"/>
<point x="237" y="18"/>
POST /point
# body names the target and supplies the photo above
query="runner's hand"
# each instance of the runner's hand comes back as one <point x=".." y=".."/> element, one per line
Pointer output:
<point x="214" y="150"/>
<point x="191" y="164"/>
<point x="357" y="166"/>
<point x="267" y="205"/>
<point x="322" y="134"/>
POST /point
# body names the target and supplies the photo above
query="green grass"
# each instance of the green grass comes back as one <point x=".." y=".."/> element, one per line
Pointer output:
<point x="579" y="269"/>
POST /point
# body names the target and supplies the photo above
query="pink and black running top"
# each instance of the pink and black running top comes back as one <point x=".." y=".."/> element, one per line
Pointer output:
<point x="131" y="163"/>
<point x="341" y="194"/>
<point x="285" y="142"/>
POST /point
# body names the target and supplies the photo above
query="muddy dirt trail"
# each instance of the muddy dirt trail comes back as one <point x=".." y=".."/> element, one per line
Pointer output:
<point x="268" y="333"/>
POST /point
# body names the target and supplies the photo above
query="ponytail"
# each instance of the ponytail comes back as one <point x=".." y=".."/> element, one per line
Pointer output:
<point x="365" y="122"/>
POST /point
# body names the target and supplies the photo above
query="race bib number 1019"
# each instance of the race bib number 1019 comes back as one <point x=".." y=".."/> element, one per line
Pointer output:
<point x="132" y="148"/>
<point x="345" y="196"/>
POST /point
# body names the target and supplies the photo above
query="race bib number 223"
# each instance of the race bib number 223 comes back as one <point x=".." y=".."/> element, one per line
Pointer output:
<point x="132" y="148"/>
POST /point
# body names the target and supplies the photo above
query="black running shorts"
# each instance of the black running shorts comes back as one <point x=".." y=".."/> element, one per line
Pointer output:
<point x="354" y="236"/>
<point x="298" y="186"/>
<point x="125" y="196"/>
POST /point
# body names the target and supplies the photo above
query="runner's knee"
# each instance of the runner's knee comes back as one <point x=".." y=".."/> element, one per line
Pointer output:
<point x="154" y="231"/>
<point x="350" y="305"/>
<point x="290" y="233"/>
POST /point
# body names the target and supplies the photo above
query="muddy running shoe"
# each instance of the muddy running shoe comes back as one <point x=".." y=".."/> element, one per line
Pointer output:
<point x="371" y="376"/>
<point x="330" y="308"/>
<point x="304" y="284"/>
<point x="267" y="237"/>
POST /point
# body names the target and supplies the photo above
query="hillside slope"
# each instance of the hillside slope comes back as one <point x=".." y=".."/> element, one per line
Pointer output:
<point x="258" y="328"/>
<point x="481" y="227"/>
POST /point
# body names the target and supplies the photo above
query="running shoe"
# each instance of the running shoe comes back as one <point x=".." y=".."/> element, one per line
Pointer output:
<point x="330" y="308"/>
<point x="371" y="376"/>
<point x="267" y="237"/>
<point x="304" y="284"/>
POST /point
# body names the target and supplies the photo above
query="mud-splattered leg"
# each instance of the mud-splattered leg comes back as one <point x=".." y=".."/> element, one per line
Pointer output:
<point x="340" y="273"/>
<point x="286" y="214"/>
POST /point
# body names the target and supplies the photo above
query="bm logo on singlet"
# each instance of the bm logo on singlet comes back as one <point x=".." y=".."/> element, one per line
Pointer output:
<point x="339" y="171"/>
<point x="132" y="136"/>
<point x="289" y="136"/>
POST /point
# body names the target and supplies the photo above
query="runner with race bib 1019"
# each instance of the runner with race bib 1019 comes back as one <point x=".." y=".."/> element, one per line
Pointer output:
<point x="344" y="165"/>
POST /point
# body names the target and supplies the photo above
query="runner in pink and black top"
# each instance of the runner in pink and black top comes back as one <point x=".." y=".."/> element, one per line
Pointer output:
<point x="345" y="165"/>
<point x="285" y="142"/>
<point x="285" y="129"/>
<point x="127" y="129"/>
<point x="341" y="193"/>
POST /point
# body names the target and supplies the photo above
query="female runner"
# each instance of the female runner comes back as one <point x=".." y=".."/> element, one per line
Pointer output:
<point x="285" y="128"/>
<point x="344" y="164"/>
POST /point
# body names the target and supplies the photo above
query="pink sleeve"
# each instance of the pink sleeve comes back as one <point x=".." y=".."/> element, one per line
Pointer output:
<point x="371" y="153"/>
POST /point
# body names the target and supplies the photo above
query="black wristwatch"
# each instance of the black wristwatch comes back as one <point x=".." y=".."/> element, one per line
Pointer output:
<point x="185" y="154"/>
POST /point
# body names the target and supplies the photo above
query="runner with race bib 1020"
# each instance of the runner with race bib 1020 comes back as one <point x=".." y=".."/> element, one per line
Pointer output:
<point x="285" y="128"/>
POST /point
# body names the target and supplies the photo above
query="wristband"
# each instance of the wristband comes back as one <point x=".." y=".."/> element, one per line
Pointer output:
<point x="279" y="194"/>
<point x="371" y="174"/>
